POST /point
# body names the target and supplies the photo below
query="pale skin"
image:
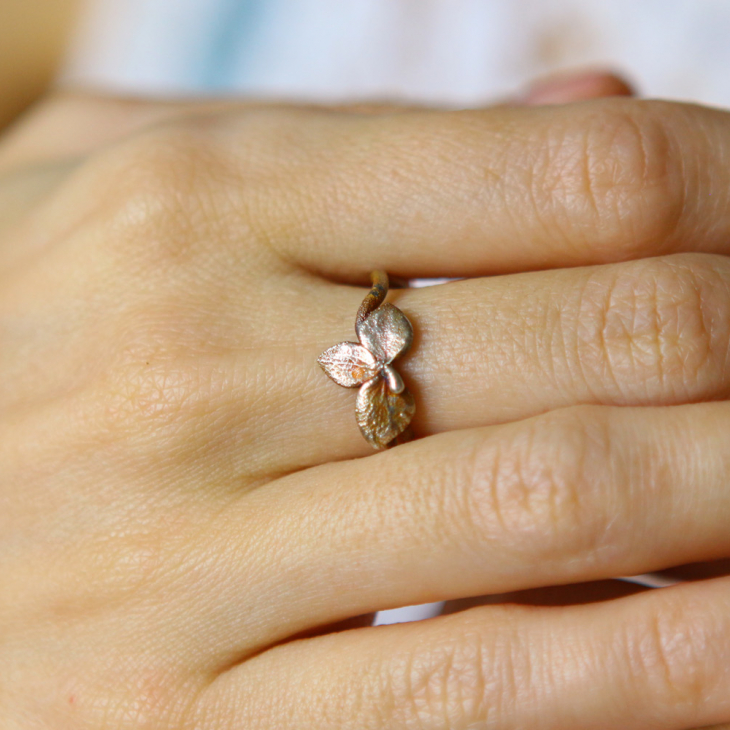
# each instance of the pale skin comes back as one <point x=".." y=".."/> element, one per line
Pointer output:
<point x="191" y="522"/>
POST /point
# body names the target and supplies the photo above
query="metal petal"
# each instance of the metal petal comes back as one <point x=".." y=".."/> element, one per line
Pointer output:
<point x="387" y="333"/>
<point x="381" y="414"/>
<point x="348" y="364"/>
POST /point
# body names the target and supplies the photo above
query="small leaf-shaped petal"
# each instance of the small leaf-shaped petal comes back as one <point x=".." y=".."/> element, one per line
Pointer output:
<point x="387" y="333"/>
<point x="381" y="414"/>
<point x="348" y="364"/>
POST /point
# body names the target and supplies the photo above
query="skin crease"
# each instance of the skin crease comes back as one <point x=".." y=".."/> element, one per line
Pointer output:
<point x="191" y="523"/>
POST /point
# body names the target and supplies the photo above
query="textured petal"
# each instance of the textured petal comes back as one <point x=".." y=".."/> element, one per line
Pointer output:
<point x="381" y="414"/>
<point x="348" y="364"/>
<point x="387" y="333"/>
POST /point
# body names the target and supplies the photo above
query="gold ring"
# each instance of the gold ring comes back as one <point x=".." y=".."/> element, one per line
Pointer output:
<point x="384" y="406"/>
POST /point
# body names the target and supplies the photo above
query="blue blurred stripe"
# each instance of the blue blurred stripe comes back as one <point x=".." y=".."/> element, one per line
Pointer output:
<point x="236" y="24"/>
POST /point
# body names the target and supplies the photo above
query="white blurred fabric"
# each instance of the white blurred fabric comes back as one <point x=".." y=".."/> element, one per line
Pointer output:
<point x="450" y="51"/>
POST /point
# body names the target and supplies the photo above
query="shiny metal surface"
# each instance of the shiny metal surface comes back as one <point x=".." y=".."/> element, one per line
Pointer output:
<point x="384" y="407"/>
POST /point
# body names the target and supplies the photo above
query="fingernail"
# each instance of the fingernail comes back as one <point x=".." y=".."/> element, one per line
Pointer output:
<point x="565" y="88"/>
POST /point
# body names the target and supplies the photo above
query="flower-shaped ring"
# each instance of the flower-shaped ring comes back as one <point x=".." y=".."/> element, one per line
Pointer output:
<point x="384" y="407"/>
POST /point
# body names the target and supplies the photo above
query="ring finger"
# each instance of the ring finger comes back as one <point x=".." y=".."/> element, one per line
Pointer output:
<point x="487" y="351"/>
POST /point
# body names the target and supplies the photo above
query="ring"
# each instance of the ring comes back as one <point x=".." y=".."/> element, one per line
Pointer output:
<point x="384" y="406"/>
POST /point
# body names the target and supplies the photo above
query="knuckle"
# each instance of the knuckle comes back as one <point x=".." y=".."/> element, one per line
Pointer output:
<point x="535" y="489"/>
<point x="154" y="393"/>
<point x="677" y="654"/>
<point x="613" y="182"/>
<point x="126" y="564"/>
<point x="150" y="401"/>
<point x="457" y="681"/>
<point x="161" y="192"/>
<point x="663" y="326"/>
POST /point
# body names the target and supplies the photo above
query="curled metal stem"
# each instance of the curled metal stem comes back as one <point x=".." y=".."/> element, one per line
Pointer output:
<point x="376" y="296"/>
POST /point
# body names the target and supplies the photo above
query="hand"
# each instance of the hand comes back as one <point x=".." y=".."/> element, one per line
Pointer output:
<point x="185" y="517"/>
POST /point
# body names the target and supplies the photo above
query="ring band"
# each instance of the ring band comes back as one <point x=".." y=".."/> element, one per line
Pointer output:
<point x="384" y="406"/>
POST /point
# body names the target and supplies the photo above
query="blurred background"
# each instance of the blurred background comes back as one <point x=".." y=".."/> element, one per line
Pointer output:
<point x="453" y="52"/>
<point x="33" y="41"/>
